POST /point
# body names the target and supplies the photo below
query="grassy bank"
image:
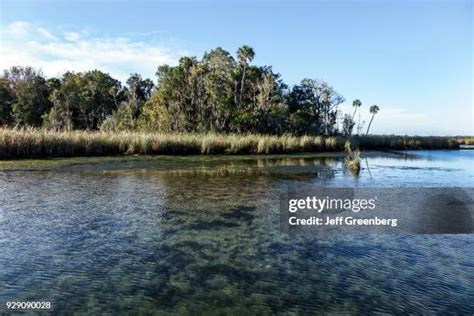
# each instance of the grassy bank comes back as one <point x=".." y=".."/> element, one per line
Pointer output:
<point x="41" y="143"/>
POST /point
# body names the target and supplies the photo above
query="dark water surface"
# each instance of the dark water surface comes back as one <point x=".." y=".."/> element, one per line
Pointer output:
<point x="202" y="234"/>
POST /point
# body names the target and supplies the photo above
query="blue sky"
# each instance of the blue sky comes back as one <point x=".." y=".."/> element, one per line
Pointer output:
<point x="412" y="58"/>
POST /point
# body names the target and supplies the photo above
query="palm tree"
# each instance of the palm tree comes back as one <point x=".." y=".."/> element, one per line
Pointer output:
<point x="373" y="109"/>
<point x="234" y="73"/>
<point x="245" y="55"/>
<point x="355" y="104"/>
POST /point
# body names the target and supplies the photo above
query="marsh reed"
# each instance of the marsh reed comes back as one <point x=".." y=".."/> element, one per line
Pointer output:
<point x="32" y="143"/>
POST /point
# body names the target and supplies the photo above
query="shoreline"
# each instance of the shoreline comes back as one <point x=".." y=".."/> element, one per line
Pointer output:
<point x="166" y="161"/>
<point x="31" y="143"/>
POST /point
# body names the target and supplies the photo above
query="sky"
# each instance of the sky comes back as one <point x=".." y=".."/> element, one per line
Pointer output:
<point x="414" y="59"/>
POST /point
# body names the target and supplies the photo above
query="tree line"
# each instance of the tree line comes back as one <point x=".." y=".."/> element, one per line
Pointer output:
<point x="218" y="93"/>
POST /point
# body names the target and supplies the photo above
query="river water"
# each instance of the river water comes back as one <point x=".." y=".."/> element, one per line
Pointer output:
<point x="202" y="234"/>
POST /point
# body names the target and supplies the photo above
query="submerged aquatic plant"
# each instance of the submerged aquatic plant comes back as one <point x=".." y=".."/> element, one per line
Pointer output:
<point x="352" y="159"/>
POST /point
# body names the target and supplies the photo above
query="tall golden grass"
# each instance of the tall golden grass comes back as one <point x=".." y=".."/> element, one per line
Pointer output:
<point x="352" y="159"/>
<point x="29" y="143"/>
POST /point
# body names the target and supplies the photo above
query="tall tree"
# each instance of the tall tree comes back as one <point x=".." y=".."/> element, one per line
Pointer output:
<point x="218" y="84"/>
<point x="30" y="95"/>
<point x="355" y="104"/>
<point x="125" y="117"/>
<point x="330" y="99"/>
<point x="178" y="102"/>
<point x="84" y="100"/>
<point x="193" y="96"/>
<point x="347" y="125"/>
<point x="6" y="101"/>
<point x="137" y="92"/>
<point x="312" y="106"/>
<point x="245" y="55"/>
<point x="270" y="108"/>
<point x="102" y="94"/>
<point x="374" y="109"/>
<point x="304" y="116"/>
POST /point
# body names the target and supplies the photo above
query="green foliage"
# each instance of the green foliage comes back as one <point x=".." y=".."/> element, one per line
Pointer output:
<point x="245" y="55"/>
<point x="355" y="104"/>
<point x="312" y="106"/>
<point x="125" y="117"/>
<point x="83" y="101"/>
<point x="374" y="109"/>
<point x="28" y="92"/>
<point x="347" y="125"/>
<point x="219" y="93"/>
<point x="6" y="101"/>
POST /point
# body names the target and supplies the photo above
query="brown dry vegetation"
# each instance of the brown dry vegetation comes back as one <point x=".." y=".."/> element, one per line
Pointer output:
<point x="28" y="143"/>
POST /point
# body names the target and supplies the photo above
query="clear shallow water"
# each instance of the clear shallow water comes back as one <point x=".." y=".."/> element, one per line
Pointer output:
<point x="198" y="234"/>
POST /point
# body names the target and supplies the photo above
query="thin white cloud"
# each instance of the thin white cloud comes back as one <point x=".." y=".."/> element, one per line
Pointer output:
<point x="56" y="51"/>
<point x="72" y="36"/>
<point x="46" y="34"/>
